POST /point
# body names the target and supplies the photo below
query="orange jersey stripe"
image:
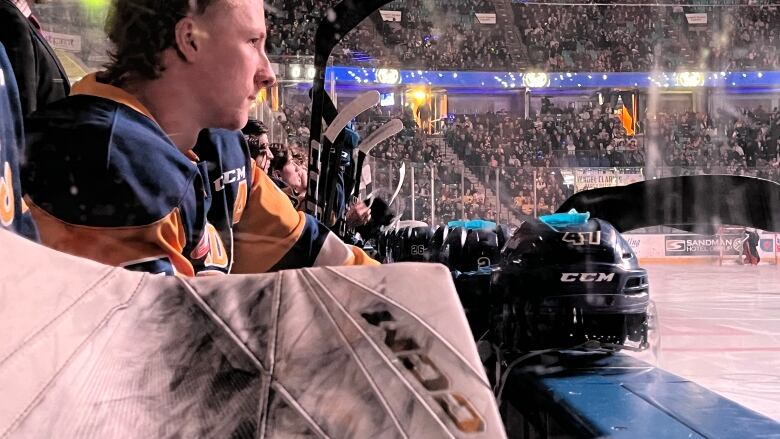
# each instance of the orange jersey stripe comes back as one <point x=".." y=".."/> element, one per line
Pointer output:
<point x="268" y="229"/>
<point x="116" y="245"/>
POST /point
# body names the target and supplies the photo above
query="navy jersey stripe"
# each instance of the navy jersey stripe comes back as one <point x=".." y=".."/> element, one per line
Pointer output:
<point x="305" y="250"/>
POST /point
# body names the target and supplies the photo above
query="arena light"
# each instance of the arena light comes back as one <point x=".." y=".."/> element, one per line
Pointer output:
<point x="296" y="71"/>
<point x="536" y="79"/>
<point x="689" y="79"/>
<point x="95" y="4"/>
<point x="388" y="76"/>
<point x="310" y="72"/>
<point x="419" y="95"/>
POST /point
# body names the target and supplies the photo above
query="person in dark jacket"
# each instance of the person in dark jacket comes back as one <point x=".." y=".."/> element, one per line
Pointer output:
<point x="40" y="77"/>
<point x="750" y="247"/>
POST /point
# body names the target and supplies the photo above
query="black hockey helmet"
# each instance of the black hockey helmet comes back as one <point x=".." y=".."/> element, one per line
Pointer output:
<point x="415" y="238"/>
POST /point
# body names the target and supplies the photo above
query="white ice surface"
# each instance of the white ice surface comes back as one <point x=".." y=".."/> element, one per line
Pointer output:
<point x="720" y="327"/>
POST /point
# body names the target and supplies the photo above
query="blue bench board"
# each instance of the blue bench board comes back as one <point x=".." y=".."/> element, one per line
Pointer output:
<point x="621" y="397"/>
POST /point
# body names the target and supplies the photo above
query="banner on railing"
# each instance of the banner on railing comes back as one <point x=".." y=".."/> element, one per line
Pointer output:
<point x="390" y="15"/>
<point x="486" y="18"/>
<point x="585" y="179"/>
<point x="696" y="18"/>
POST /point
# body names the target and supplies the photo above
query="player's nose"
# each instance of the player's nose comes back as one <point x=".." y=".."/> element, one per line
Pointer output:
<point x="264" y="76"/>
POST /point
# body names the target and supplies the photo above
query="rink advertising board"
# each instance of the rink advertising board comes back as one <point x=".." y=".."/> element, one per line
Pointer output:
<point x="702" y="245"/>
<point x="669" y="247"/>
<point x="765" y="245"/>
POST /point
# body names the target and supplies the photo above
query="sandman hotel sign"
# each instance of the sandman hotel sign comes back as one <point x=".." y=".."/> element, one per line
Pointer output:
<point x="703" y="245"/>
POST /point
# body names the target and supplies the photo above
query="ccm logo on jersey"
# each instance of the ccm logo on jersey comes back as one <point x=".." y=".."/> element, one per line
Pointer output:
<point x="587" y="277"/>
<point x="228" y="177"/>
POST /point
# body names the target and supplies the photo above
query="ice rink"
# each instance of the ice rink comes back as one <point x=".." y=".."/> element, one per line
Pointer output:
<point x="720" y="327"/>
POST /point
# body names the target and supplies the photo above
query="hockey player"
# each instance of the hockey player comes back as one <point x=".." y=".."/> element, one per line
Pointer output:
<point x="131" y="170"/>
<point x="14" y="214"/>
<point x="750" y="247"/>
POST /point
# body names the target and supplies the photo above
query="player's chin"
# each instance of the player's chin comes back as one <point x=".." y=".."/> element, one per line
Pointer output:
<point x="235" y="121"/>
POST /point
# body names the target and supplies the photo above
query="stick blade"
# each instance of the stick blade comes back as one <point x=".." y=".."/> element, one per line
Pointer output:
<point x="360" y="104"/>
<point x="381" y="134"/>
<point x="402" y="176"/>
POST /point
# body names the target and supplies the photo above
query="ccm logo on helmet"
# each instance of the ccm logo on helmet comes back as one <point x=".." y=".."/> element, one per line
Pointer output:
<point x="587" y="277"/>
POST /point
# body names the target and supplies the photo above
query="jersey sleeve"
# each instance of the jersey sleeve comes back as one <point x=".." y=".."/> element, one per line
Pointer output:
<point x="272" y="235"/>
<point x="14" y="214"/>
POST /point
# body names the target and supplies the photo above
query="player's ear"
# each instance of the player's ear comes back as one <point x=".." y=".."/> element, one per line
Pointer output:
<point x="187" y="39"/>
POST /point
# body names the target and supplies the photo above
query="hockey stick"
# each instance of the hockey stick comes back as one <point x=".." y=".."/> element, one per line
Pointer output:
<point x="380" y="135"/>
<point x="349" y="14"/>
<point x="329" y="110"/>
<point x="329" y="113"/>
<point x="330" y="171"/>
<point x="402" y="175"/>
<point x="352" y="110"/>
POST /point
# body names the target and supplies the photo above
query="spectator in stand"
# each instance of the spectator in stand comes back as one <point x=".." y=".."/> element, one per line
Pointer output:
<point x="745" y="141"/>
<point x="446" y="35"/>
<point x="284" y="171"/>
<point x="256" y="135"/>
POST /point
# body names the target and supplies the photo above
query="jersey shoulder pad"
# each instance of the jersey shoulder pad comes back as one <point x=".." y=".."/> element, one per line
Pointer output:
<point x="92" y="161"/>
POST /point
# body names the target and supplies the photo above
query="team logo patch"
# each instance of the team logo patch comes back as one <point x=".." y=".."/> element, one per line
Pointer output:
<point x="202" y="249"/>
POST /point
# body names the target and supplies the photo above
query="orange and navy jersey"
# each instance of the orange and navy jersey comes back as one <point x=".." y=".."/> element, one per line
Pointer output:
<point x="105" y="182"/>
<point x="14" y="214"/>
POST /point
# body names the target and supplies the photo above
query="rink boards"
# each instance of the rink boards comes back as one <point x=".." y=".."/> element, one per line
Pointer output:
<point x="698" y="249"/>
<point x="622" y="397"/>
